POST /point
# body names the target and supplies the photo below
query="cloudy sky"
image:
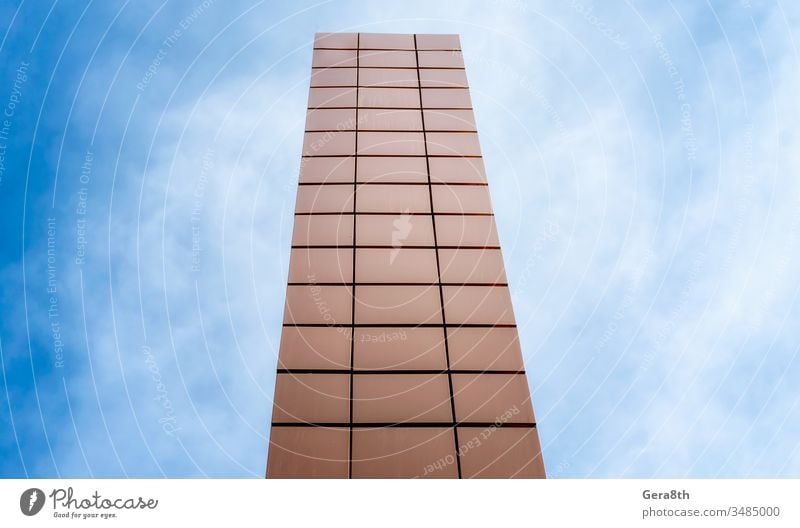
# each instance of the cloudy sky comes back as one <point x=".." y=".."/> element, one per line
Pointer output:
<point x="644" y="165"/>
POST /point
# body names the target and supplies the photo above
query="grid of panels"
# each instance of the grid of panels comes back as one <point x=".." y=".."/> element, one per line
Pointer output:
<point x="399" y="355"/>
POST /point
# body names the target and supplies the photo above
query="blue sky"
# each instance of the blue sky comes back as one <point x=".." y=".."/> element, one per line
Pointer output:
<point x="643" y="164"/>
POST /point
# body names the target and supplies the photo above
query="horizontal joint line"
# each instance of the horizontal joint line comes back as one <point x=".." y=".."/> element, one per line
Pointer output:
<point x="459" y="284"/>
<point x="419" y="183"/>
<point x="367" y="425"/>
<point x="357" y="371"/>
<point x="398" y="325"/>
<point x="387" y="246"/>
<point x="388" y="213"/>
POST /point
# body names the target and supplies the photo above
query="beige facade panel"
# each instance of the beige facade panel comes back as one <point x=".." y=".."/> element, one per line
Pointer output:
<point x="399" y="354"/>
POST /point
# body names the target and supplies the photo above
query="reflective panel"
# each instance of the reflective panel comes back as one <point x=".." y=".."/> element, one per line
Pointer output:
<point x="308" y="452"/>
<point x="404" y="452"/>
<point x="405" y="348"/>
<point x="401" y="398"/>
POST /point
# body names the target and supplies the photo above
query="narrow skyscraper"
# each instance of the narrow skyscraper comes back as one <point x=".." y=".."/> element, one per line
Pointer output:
<point x="399" y="355"/>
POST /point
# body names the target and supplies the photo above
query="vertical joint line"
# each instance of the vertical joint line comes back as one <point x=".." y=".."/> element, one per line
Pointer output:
<point x="353" y="291"/>
<point x="436" y="246"/>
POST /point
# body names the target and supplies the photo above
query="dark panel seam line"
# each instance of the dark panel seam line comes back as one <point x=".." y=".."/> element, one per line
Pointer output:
<point x="353" y="291"/>
<point x="337" y="67"/>
<point x="382" y="372"/>
<point x="466" y="156"/>
<point x="383" y="86"/>
<point x="386" y="130"/>
<point x="454" y="284"/>
<point x="385" y="49"/>
<point x="438" y="266"/>
<point x="332" y="246"/>
<point x="441" y="183"/>
<point x="390" y="108"/>
<point x="398" y="325"/>
<point x="386" y="213"/>
<point x="447" y="425"/>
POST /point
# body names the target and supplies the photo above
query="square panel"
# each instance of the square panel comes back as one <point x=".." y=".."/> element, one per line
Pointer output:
<point x="396" y="265"/>
<point x="312" y="398"/>
<point x="466" y="231"/>
<point x="387" y="77"/>
<point x="391" y="144"/>
<point x="444" y="120"/>
<point x="314" y="304"/>
<point x="314" y="347"/>
<point x="441" y="59"/>
<point x="382" y="305"/>
<point x="463" y="199"/>
<point x="463" y="266"/>
<point x="394" y="231"/>
<point x="457" y="170"/>
<point x="329" y="143"/>
<point x="386" y="41"/>
<point x="500" y="453"/>
<point x="403" y="348"/>
<point x="490" y="398"/>
<point x="432" y="78"/>
<point x="388" y="98"/>
<point x="404" y="452"/>
<point x="401" y="398"/>
<point x="333" y="77"/>
<point x="324" y="199"/>
<point x="317" y="265"/>
<point x="484" y="348"/>
<point x="323" y="230"/>
<point x="333" y="58"/>
<point x="453" y="144"/>
<point x="336" y="40"/>
<point x="389" y="119"/>
<point x="393" y="199"/>
<point x="392" y="170"/>
<point x="478" y="305"/>
<point x="387" y="59"/>
<point x="438" y="42"/>
<point x="320" y="169"/>
<point x="309" y="452"/>
<point x="450" y="98"/>
<point x="340" y="119"/>
<point x="332" y="98"/>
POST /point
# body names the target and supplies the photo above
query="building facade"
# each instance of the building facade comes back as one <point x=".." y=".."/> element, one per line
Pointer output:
<point x="399" y="355"/>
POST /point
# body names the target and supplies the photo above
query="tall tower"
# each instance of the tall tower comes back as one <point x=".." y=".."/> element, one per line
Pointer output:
<point x="399" y="355"/>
